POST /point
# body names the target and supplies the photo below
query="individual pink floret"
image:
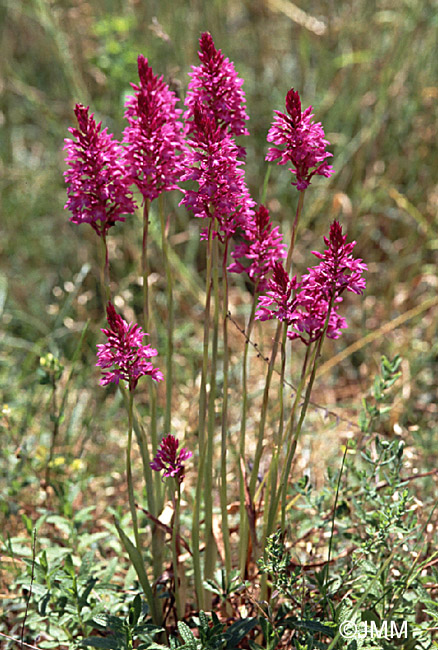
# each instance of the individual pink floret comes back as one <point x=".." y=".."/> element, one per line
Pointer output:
<point x="304" y="142"/>
<point x="153" y="138"/>
<point x="124" y="352"/>
<point x="98" y="184"/>
<point x="169" y="459"/>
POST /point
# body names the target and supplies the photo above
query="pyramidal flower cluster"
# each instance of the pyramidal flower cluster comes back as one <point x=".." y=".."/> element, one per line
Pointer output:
<point x="215" y="114"/>
<point x="302" y="142"/>
<point x="101" y="170"/>
<point x="215" y="85"/>
<point x="98" y="183"/>
<point x="260" y="250"/>
<point x="153" y="138"/>
<point x="305" y="305"/>
<point x="212" y="162"/>
<point x="169" y="459"/>
<point x="124" y="356"/>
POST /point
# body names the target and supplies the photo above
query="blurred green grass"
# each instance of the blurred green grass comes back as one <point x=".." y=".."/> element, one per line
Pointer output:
<point x="370" y="73"/>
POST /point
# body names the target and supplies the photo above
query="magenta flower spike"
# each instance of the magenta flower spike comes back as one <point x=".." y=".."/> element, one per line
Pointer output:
<point x="124" y="353"/>
<point x="304" y="305"/>
<point x="169" y="459"/>
<point x="212" y="163"/>
<point x="216" y="86"/>
<point x="153" y="138"/>
<point x="261" y="249"/>
<point x="98" y="185"/>
<point x="304" y="142"/>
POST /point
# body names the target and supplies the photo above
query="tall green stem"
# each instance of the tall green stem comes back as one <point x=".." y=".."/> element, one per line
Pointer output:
<point x="129" y="469"/>
<point x="170" y="320"/>
<point x="271" y="485"/>
<point x="201" y="431"/>
<point x="224" y="428"/>
<point x="259" y="448"/>
<point x="145" y="580"/>
<point x="104" y="270"/>
<point x="210" y="543"/>
<point x="243" y="529"/>
<point x="175" y="536"/>
<point x="145" y="265"/>
<point x="292" y="434"/>
<point x="157" y="533"/>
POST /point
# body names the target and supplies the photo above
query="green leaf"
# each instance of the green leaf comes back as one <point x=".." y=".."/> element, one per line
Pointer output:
<point x="187" y="636"/>
<point x="135" y="610"/>
<point x="107" y="642"/>
<point x="212" y="586"/>
<point x="3" y="291"/>
<point x="68" y="566"/>
<point x="238" y="630"/>
<point x="137" y="561"/>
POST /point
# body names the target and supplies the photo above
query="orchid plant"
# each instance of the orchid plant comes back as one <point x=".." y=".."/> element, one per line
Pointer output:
<point x="195" y="151"/>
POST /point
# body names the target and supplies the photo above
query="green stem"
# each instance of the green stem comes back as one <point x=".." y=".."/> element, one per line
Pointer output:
<point x="146" y="324"/>
<point x="175" y="536"/>
<point x="263" y="414"/>
<point x="201" y="431"/>
<point x="145" y="583"/>
<point x="55" y="415"/>
<point x="170" y="320"/>
<point x="243" y="530"/>
<point x="129" y="469"/>
<point x="104" y="271"/>
<point x="210" y="544"/>
<point x="224" y="428"/>
<point x="145" y="456"/>
<point x="271" y="485"/>
<point x="145" y="265"/>
<point x="294" y="435"/>
<point x="294" y="231"/>
<point x="338" y="485"/>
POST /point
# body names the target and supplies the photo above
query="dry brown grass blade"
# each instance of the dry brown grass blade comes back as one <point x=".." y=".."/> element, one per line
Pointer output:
<point x="218" y="536"/>
<point x="167" y="529"/>
<point x="373" y="336"/>
<point x="298" y="16"/>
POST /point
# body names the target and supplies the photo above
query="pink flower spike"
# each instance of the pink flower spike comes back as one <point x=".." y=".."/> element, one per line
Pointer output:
<point x="212" y="162"/>
<point x="304" y="142"/>
<point x="153" y="137"/>
<point x="304" y="305"/>
<point x="98" y="184"/>
<point x="216" y="86"/>
<point x="262" y="248"/>
<point x="169" y="459"/>
<point x="124" y="352"/>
